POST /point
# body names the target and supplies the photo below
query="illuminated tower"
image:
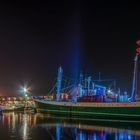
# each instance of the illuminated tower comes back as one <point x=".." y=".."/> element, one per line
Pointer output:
<point x="59" y="81"/>
<point x="134" y="84"/>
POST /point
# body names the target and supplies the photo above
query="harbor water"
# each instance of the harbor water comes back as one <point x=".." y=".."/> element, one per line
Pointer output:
<point x="29" y="126"/>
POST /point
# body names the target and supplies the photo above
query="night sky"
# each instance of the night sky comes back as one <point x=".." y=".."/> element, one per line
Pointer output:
<point x="89" y="36"/>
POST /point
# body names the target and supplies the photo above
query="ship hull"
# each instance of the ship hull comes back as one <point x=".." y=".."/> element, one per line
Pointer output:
<point x="113" y="111"/>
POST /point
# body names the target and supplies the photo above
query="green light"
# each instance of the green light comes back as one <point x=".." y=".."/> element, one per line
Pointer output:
<point x="26" y="95"/>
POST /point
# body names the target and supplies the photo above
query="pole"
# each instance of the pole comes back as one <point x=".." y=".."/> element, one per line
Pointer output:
<point x="134" y="84"/>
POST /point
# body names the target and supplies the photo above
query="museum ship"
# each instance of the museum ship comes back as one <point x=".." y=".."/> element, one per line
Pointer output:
<point x="88" y="100"/>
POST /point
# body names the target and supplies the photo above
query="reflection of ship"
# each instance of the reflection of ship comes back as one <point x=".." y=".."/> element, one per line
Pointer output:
<point x="40" y="126"/>
<point x="84" y="132"/>
<point x="94" y="101"/>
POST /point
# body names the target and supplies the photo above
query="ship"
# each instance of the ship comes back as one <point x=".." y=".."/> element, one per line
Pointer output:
<point x="89" y="101"/>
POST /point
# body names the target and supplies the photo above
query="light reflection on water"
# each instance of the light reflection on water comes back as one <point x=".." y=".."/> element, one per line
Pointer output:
<point x="25" y="126"/>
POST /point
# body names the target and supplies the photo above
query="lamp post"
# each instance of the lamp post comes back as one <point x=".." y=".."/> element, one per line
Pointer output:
<point x="25" y="91"/>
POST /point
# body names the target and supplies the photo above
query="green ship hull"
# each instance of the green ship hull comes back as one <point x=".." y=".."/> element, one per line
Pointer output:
<point x="113" y="111"/>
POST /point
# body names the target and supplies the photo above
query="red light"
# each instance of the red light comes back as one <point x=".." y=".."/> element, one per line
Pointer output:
<point x="138" y="50"/>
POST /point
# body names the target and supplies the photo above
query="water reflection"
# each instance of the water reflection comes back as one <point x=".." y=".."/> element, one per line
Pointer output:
<point x="24" y="126"/>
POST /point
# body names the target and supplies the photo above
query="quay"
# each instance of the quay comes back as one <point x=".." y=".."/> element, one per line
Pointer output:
<point x="10" y="103"/>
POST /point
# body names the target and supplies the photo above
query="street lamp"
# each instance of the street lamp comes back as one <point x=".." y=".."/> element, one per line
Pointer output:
<point x="25" y="90"/>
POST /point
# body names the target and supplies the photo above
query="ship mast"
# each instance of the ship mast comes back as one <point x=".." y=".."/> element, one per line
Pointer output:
<point x="134" y="84"/>
<point x="59" y="80"/>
